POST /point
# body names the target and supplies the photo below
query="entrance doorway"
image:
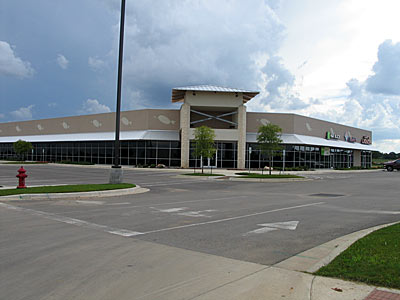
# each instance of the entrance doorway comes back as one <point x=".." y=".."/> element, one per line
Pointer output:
<point x="209" y="162"/>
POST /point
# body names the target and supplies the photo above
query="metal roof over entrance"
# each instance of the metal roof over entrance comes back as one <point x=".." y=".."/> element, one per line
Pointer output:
<point x="178" y="93"/>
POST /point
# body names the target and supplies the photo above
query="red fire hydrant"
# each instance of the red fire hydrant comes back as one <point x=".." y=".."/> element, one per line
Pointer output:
<point x="21" y="175"/>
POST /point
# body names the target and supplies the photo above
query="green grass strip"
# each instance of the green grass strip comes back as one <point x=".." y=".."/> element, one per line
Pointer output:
<point x="374" y="259"/>
<point x="25" y="163"/>
<point x="84" y="163"/>
<point x="66" y="189"/>
<point x="268" y="176"/>
<point x="205" y="174"/>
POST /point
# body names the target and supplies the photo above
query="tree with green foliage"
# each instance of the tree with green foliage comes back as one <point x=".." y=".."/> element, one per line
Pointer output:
<point x="21" y="148"/>
<point x="204" y="143"/>
<point x="269" y="140"/>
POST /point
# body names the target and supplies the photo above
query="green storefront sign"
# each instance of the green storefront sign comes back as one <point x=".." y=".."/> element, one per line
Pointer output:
<point x="325" y="151"/>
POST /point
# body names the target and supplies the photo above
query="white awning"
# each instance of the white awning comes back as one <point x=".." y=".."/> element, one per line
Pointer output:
<point x="297" y="139"/>
<point x="163" y="135"/>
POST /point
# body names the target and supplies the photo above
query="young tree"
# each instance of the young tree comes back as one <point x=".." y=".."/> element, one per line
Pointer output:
<point x="269" y="139"/>
<point x="204" y="143"/>
<point x="21" y="147"/>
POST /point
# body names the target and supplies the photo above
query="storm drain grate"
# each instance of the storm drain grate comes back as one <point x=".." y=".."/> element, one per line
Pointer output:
<point x="326" y="195"/>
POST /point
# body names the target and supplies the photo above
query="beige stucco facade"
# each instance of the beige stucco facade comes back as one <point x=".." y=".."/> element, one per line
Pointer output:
<point x="185" y="134"/>
<point x="222" y="110"/>
<point x="296" y="124"/>
<point x="225" y="112"/>
<point x="146" y="119"/>
<point x="357" y="158"/>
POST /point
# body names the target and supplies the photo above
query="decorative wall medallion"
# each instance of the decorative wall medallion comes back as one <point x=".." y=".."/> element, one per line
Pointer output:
<point x="17" y="128"/>
<point x="65" y="125"/>
<point x="165" y="120"/>
<point x="125" y="121"/>
<point x="264" y="121"/>
<point x="96" y="123"/>
<point x="40" y="127"/>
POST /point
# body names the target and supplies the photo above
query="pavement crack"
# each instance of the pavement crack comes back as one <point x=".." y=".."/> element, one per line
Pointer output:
<point x="227" y="283"/>
<point x="311" y="286"/>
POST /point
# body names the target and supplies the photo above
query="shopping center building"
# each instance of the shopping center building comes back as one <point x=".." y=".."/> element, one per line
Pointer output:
<point x="164" y="136"/>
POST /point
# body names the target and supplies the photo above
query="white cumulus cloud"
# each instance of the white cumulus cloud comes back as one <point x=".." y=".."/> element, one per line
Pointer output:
<point x="96" y="63"/>
<point x="374" y="103"/>
<point x="11" y="64"/>
<point x="278" y="92"/>
<point x="386" y="78"/>
<point x="177" y="43"/>
<point x="62" y="61"/>
<point x="23" y="113"/>
<point x="93" y="106"/>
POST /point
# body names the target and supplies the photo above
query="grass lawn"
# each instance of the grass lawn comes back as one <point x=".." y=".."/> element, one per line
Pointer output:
<point x="66" y="189"/>
<point x="352" y="169"/>
<point x="84" y="163"/>
<point x="204" y="174"/>
<point x="374" y="259"/>
<point x="255" y="175"/>
<point x="378" y="161"/>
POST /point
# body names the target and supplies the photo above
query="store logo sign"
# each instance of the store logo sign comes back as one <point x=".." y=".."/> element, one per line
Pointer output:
<point x="366" y="140"/>
<point x="331" y="136"/>
<point x="325" y="151"/>
<point x="349" y="138"/>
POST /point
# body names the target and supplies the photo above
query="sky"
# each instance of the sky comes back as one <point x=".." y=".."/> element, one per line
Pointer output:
<point x="334" y="60"/>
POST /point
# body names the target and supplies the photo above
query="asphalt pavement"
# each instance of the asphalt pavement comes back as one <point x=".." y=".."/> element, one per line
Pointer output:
<point x="254" y="224"/>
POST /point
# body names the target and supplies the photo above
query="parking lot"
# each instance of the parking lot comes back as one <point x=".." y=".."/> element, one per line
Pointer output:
<point x="262" y="223"/>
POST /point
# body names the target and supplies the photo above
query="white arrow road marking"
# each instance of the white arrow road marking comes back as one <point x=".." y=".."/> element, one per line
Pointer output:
<point x="129" y="233"/>
<point x="199" y="213"/>
<point x="290" y="225"/>
<point x="170" y="210"/>
<point x="180" y="211"/>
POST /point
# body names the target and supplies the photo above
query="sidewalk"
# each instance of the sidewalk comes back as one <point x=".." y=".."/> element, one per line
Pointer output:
<point x="288" y="280"/>
<point x="164" y="272"/>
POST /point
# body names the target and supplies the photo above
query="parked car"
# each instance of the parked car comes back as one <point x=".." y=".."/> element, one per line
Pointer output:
<point x="391" y="165"/>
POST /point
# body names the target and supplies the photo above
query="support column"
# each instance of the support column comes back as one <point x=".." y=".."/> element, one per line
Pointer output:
<point x="241" y="150"/>
<point x="357" y="158"/>
<point x="184" y="128"/>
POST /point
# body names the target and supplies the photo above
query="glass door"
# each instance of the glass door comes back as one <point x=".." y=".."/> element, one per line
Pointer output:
<point x="209" y="162"/>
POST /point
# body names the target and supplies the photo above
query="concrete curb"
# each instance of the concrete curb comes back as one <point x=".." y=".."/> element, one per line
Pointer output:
<point x="79" y="195"/>
<point x="270" y="180"/>
<point x="313" y="259"/>
<point x="199" y="177"/>
<point x="234" y="178"/>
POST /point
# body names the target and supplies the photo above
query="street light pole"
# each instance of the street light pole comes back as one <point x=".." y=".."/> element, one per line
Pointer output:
<point x="116" y="170"/>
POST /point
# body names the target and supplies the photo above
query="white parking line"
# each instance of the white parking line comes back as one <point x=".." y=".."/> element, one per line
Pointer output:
<point x="90" y="202"/>
<point x="130" y="233"/>
<point x="230" y="219"/>
<point x="157" y="204"/>
<point x="72" y="221"/>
